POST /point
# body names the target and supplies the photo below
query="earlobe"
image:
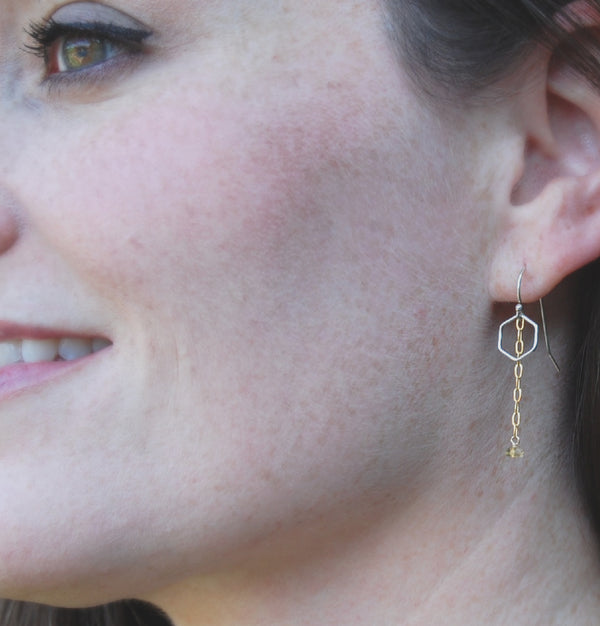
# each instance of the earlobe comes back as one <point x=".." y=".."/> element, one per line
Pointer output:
<point x="551" y="224"/>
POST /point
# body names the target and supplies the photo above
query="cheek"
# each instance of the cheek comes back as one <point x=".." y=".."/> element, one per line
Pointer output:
<point x="177" y="187"/>
<point x="211" y="225"/>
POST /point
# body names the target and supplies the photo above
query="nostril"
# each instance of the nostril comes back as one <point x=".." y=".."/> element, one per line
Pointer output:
<point x="9" y="230"/>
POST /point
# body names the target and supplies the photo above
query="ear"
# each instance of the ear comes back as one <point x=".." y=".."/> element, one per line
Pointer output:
<point x="551" y="224"/>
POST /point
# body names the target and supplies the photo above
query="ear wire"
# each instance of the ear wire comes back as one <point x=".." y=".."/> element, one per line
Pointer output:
<point x="546" y="340"/>
<point x="543" y="316"/>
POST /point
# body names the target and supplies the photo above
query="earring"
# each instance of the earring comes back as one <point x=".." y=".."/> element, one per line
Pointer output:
<point x="520" y="319"/>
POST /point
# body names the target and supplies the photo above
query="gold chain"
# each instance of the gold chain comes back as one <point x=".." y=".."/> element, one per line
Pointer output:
<point x="514" y="449"/>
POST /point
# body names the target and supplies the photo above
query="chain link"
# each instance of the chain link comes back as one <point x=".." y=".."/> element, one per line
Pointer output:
<point x="518" y="392"/>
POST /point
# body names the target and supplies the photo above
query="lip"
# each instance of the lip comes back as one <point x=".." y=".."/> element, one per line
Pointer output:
<point x="21" y="378"/>
<point x="10" y="330"/>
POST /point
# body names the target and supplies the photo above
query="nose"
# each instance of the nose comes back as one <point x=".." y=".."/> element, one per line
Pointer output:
<point x="9" y="229"/>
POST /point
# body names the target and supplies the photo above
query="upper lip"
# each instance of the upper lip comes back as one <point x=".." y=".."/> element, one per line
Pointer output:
<point x="12" y="330"/>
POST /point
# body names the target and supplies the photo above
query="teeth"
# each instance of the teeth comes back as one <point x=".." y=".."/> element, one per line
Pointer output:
<point x="10" y="352"/>
<point x="45" y="350"/>
<point x="71" y="349"/>
<point x="39" y="351"/>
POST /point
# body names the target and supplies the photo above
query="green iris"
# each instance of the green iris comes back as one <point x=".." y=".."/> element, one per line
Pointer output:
<point x="81" y="52"/>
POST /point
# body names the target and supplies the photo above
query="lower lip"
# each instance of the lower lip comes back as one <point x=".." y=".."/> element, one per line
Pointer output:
<point x="23" y="377"/>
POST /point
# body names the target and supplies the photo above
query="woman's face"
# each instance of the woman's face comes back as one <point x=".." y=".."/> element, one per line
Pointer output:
<point x="249" y="202"/>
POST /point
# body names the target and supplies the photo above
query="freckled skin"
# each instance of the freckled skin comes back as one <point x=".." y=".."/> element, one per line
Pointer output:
<point x="251" y="214"/>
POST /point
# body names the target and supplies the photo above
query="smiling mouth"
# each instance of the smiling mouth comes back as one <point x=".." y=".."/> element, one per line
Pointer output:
<point x="49" y="350"/>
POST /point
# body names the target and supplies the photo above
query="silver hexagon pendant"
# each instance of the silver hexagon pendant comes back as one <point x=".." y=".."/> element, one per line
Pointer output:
<point x="519" y="315"/>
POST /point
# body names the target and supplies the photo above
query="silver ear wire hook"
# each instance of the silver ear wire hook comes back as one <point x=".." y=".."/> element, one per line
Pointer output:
<point x="546" y="340"/>
<point x="545" y="329"/>
<point x="519" y="282"/>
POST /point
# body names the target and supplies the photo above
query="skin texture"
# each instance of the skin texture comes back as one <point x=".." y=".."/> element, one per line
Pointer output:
<point x="290" y="252"/>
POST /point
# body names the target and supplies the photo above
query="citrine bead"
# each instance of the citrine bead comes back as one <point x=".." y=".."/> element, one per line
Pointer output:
<point x="515" y="452"/>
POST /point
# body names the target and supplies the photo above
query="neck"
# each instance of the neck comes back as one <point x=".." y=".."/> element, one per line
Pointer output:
<point x="516" y="549"/>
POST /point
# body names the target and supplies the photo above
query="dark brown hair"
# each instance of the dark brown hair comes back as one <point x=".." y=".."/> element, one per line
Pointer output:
<point x="586" y="426"/>
<point x="464" y="46"/>
<point x="130" y="613"/>
<point x="451" y="47"/>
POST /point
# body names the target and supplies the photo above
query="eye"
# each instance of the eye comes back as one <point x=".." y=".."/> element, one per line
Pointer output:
<point x="85" y="35"/>
<point x="77" y="52"/>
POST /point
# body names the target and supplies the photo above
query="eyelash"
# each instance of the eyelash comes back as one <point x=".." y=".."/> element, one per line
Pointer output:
<point x="45" y="34"/>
